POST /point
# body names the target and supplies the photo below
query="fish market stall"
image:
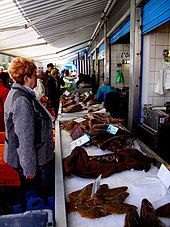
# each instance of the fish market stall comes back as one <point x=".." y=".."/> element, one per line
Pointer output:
<point x="140" y="184"/>
<point x="78" y="104"/>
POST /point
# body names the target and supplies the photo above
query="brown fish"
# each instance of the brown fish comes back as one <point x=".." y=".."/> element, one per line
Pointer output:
<point x="164" y="211"/>
<point x="132" y="219"/>
<point x="93" y="212"/>
<point x="104" y="202"/>
<point x="148" y="215"/>
<point x="120" y="208"/>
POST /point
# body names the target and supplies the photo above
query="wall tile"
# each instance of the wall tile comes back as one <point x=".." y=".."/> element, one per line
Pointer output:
<point x="113" y="47"/>
<point x="152" y="39"/>
<point x="152" y="51"/>
<point x="159" y="51"/>
<point x="151" y="90"/>
<point x="152" y="65"/>
<point x="157" y="75"/>
<point x="113" y="54"/>
<point x="126" y="47"/>
<point x="145" y="94"/>
<point x="151" y="78"/>
<point x="161" y="38"/>
<point x="113" y="73"/>
<point x="114" y="66"/>
<point x="169" y="40"/>
<point x="150" y="100"/>
<point x="158" y="64"/>
<point x="158" y="101"/>
<point x="119" y="47"/>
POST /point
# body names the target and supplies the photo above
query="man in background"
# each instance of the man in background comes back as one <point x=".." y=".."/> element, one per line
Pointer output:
<point x="54" y="84"/>
<point x="50" y="67"/>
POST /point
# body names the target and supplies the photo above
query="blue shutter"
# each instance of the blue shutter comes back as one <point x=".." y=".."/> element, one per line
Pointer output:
<point x="101" y="53"/>
<point x="155" y="13"/>
<point x="123" y="30"/>
<point x="101" y="48"/>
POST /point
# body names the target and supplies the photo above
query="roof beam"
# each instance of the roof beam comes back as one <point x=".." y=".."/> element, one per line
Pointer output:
<point x="25" y="46"/>
<point x="78" y="44"/>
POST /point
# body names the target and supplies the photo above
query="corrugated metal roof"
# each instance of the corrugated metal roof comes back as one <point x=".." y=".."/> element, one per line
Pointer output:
<point x="38" y="29"/>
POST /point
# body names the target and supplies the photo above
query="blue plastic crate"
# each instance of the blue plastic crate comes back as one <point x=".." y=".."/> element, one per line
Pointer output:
<point x="31" y="194"/>
<point x="17" y="209"/>
<point x="51" y="201"/>
<point x="35" y="204"/>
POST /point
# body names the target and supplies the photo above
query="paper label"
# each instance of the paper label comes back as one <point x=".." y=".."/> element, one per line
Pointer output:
<point x="67" y="93"/>
<point x="112" y="129"/>
<point x="162" y="120"/>
<point x="96" y="185"/>
<point x="80" y="119"/>
<point x="164" y="175"/>
<point x="80" y="141"/>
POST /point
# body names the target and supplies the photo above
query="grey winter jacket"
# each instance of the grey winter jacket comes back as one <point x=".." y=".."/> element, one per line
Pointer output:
<point x="28" y="127"/>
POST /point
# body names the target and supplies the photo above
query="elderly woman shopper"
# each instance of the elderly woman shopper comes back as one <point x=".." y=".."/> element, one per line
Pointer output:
<point x="29" y="147"/>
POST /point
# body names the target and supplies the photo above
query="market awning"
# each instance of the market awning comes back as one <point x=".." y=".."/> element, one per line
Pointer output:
<point x="42" y="29"/>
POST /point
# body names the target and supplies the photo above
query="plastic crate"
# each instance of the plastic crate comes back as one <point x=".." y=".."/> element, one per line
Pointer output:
<point x="31" y="194"/>
<point x="36" y="203"/>
<point x="8" y="176"/>
<point x="17" y="209"/>
<point x="38" y="218"/>
<point x="2" y="153"/>
<point x="2" y="137"/>
<point x="51" y="201"/>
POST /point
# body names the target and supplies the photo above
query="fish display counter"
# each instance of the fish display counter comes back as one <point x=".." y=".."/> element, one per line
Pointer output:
<point x="78" y="104"/>
<point x="108" y="177"/>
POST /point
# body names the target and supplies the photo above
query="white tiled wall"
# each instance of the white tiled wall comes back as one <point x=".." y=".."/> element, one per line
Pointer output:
<point x="116" y="51"/>
<point x="154" y="44"/>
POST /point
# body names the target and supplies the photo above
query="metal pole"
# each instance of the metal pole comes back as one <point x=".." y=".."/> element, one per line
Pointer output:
<point x="132" y="64"/>
<point x="78" y="64"/>
<point x="106" y="56"/>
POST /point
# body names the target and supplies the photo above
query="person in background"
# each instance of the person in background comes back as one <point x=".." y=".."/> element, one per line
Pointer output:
<point x="94" y="83"/>
<point x="110" y="97"/>
<point x="67" y="73"/>
<point x="73" y="73"/>
<point x="54" y="89"/>
<point x="40" y="88"/>
<point x="50" y="67"/>
<point x="1" y="69"/>
<point x="4" y="89"/>
<point x="85" y="80"/>
<point x="29" y="147"/>
<point x="103" y="90"/>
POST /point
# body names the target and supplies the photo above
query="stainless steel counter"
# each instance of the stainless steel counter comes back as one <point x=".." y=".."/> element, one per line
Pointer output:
<point x="60" y="209"/>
